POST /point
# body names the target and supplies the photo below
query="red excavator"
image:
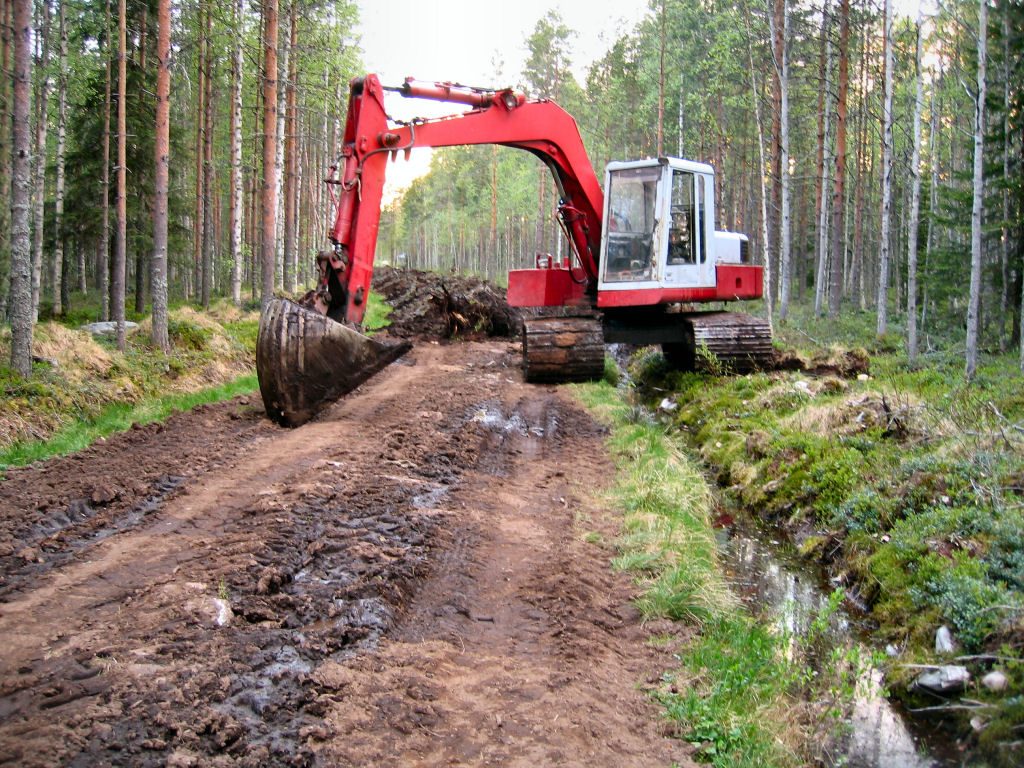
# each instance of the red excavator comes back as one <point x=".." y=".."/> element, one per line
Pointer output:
<point x="642" y="253"/>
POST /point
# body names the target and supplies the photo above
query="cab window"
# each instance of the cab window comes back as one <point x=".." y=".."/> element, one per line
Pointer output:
<point x="684" y="224"/>
<point x="632" y="197"/>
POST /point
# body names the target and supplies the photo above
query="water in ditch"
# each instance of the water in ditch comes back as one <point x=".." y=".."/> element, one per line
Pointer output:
<point x="773" y="584"/>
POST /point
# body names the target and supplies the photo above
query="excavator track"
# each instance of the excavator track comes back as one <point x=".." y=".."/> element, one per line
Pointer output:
<point x="557" y="349"/>
<point x="733" y="341"/>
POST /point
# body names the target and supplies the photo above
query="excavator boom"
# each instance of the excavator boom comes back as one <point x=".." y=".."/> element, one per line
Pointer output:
<point x="310" y="353"/>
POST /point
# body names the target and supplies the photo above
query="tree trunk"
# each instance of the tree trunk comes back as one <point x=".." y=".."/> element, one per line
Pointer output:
<point x="161" y="152"/>
<point x="822" y="136"/>
<point x="1005" y="313"/>
<point x="765" y="249"/>
<point x="6" y="96"/>
<point x="974" y="300"/>
<point x="236" y="158"/>
<point x="200" y="209"/>
<point x="269" y="190"/>
<point x="933" y="188"/>
<point x="785" y="235"/>
<point x="58" y="219"/>
<point x="857" y="259"/>
<point x="20" y="297"/>
<point x="774" y="226"/>
<point x="290" y="155"/>
<point x="823" y="240"/>
<point x="838" y="249"/>
<point x="883" y="249"/>
<point x="208" y="222"/>
<point x="915" y="204"/>
<point x="661" y="81"/>
<point x="41" y="125"/>
<point x="104" y="262"/>
<point x="121" y="230"/>
<point x="282" y="75"/>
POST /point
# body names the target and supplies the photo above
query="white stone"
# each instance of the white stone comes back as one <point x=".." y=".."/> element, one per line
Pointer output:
<point x="948" y="679"/>
<point x="106" y="328"/>
<point x="995" y="681"/>
<point x="944" y="640"/>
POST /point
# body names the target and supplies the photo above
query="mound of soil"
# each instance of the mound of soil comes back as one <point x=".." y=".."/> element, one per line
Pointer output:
<point x="435" y="306"/>
<point x="847" y="364"/>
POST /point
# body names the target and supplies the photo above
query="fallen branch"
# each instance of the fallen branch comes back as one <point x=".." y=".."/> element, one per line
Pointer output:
<point x="954" y="708"/>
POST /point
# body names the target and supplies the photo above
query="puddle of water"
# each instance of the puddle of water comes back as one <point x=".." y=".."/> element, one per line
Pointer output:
<point x="490" y="416"/>
<point x="771" y="586"/>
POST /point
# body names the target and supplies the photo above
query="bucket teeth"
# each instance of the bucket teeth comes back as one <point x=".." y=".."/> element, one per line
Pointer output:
<point x="305" y="361"/>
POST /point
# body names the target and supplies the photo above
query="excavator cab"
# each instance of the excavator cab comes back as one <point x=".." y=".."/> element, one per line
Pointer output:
<point x="659" y="221"/>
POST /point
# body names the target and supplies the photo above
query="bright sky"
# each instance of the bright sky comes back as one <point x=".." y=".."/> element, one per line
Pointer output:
<point x="468" y="41"/>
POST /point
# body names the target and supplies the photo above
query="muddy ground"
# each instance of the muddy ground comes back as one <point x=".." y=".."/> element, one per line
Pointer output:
<point x="402" y="582"/>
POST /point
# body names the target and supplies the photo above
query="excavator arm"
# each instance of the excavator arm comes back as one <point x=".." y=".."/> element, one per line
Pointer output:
<point x="309" y="354"/>
<point x="502" y="117"/>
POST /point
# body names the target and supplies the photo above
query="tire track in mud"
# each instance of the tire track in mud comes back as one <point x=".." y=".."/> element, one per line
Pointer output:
<point x="397" y="583"/>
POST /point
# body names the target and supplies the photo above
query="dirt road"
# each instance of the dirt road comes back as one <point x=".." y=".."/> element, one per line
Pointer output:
<point x="403" y="582"/>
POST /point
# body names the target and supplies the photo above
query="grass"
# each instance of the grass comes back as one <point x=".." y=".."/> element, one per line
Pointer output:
<point x="117" y="418"/>
<point x="736" y="695"/>
<point x="377" y="312"/>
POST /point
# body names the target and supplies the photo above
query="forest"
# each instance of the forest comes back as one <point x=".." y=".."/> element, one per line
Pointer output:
<point x="152" y="153"/>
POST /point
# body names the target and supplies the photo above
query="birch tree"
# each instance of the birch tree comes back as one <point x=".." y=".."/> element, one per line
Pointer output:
<point x="57" y="273"/>
<point x="826" y="163"/>
<point x="762" y="170"/>
<point x="883" y="249"/>
<point x="121" y="229"/>
<point x="974" y="299"/>
<point x="42" y="121"/>
<point x="785" y="223"/>
<point x="915" y="203"/>
<point x="835" y="281"/>
<point x="236" y="156"/>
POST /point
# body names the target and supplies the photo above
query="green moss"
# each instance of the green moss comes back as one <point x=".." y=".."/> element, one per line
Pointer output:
<point x="187" y="335"/>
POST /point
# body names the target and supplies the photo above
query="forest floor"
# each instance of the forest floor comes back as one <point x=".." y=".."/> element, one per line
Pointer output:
<point x="402" y="581"/>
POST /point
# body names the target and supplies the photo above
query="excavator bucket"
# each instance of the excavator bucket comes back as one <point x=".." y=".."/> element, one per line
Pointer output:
<point x="305" y="360"/>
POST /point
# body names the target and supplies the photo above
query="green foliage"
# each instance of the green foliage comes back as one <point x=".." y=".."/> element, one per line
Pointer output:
<point x="88" y="388"/>
<point x="377" y="312"/>
<point x="733" y="681"/>
<point x="739" y="678"/>
<point x="961" y="591"/>
<point x="912" y="478"/>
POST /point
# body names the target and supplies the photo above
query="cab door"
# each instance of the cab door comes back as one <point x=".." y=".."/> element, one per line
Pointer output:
<point x="689" y="230"/>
